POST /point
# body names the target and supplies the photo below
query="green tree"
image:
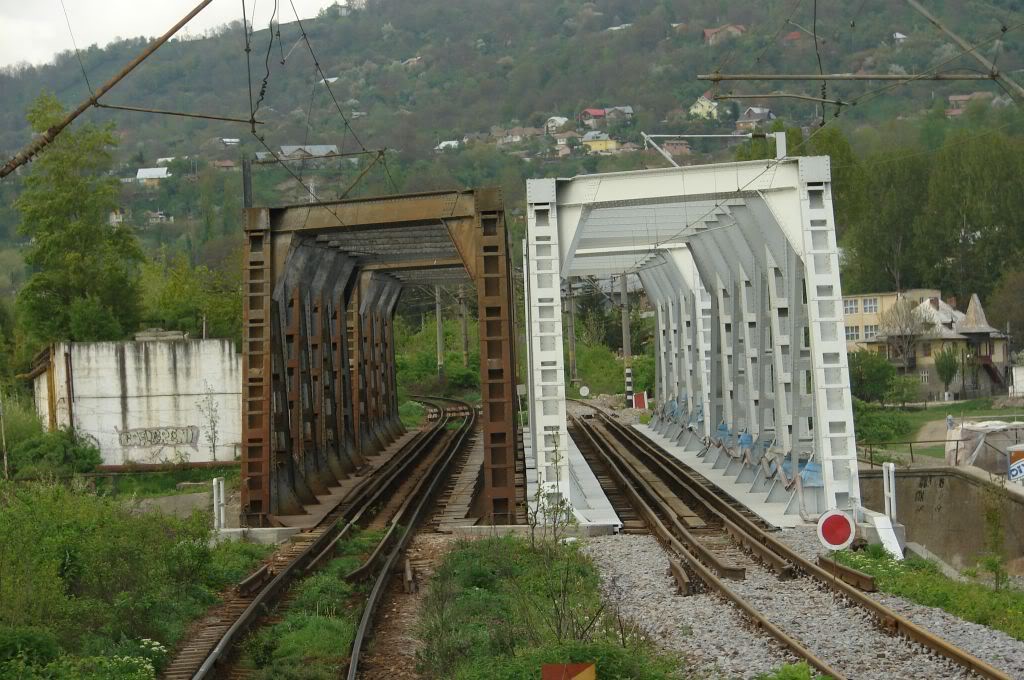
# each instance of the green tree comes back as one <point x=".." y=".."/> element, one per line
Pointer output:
<point x="947" y="365"/>
<point x="1005" y="305"/>
<point x="870" y="375"/>
<point x="969" y="230"/>
<point x="74" y="252"/>
<point x="881" y="241"/>
<point x="902" y="389"/>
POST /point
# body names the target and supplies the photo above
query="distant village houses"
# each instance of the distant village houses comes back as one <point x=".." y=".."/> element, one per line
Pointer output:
<point x="150" y="177"/>
<point x="958" y="103"/>
<point x="753" y="117"/>
<point x="595" y="117"/>
<point x="300" y="151"/>
<point x="599" y="142"/>
<point x="447" y="145"/>
<point x="705" y="107"/>
<point x="554" y="124"/>
<point x="716" y="36"/>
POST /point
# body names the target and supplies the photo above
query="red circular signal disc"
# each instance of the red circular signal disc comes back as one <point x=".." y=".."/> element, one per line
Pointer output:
<point x="836" y="530"/>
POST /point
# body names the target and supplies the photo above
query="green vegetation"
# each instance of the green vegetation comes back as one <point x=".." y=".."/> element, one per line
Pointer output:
<point x="411" y="413"/>
<point x="90" y="589"/>
<point x="921" y="581"/>
<point x="416" y="358"/>
<point x="83" y="284"/>
<point x="499" y="608"/>
<point x="871" y="375"/>
<point x="796" y="671"/>
<point x="314" y="638"/>
<point x="155" y="483"/>
<point x="48" y="454"/>
<point x="875" y="424"/>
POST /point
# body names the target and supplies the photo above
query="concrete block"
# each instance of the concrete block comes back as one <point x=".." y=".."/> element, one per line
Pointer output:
<point x="264" y="535"/>
<point x="523" y="531"/>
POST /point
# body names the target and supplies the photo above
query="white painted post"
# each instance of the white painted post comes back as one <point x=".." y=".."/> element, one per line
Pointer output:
<point x="889" y="489"/>
<point x="218" y="503"/>
<point x="223" y="504"/>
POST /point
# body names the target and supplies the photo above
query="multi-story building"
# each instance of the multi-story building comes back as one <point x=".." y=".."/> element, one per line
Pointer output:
<point x="863" y="313"/>
<point x="982" y="350"/>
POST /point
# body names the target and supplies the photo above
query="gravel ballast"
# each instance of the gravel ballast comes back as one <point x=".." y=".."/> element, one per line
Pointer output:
<point x="991" y="646"/>
<point x="710" y="634"/>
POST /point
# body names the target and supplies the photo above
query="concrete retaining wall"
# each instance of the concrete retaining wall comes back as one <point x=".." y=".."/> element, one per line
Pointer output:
<point x="141" y="401"/>
<point x="944" y="511"/>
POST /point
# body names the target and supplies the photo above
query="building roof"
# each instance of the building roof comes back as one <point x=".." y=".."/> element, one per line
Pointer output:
<point x="309" y="149"/>
<point x="595" y="113"/>
<point x="152" y="173"/>
<point x="596" y="136"/>
<point x="447" y="144"/>
<point x="793" y="36"/>
<point x="628" y="110"/>
<point x="974" y="321"/>
<point x="737" y="28"/>
<point x="557" y="121"/>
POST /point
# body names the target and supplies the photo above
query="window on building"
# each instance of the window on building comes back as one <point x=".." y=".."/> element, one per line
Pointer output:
<point x="853" y="332"/>
<point x="924" y="377"/>
<point x="926" y="349"/>
<point x="850" y="306"/>
<point x="870" y="332"/>
<point x="870" y="305"/>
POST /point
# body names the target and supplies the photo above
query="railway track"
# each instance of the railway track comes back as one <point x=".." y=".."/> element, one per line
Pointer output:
<point x="396" y="498"/>
<point x="726" y="550"/>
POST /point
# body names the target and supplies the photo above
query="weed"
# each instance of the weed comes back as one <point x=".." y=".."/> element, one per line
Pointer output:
<point x="923" y="582"/>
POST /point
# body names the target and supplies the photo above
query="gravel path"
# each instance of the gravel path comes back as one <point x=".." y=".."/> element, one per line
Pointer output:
<point x="992" y="646"/>
<point x="710" y="634"/>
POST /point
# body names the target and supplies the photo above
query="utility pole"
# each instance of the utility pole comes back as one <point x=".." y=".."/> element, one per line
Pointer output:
<point x="627" y="348"/>
<point x="34" y="147"/>
<point x="464" y="319"/>
<point x="440" y="334"/>
<point x="574" y="378"/>
<point x="970" y="50"/>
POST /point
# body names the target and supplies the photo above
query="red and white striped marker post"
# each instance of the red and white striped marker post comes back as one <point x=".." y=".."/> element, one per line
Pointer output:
<point x="836" y="530"/>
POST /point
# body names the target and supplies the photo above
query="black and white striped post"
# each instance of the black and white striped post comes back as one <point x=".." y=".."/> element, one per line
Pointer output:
<point x="627" y="349"/>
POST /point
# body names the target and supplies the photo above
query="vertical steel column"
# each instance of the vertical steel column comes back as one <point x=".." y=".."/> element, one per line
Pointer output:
<point x="257" y="285"/>
<point x="497" y="358"/>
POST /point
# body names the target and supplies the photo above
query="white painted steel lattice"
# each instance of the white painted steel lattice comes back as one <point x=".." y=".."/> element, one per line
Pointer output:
<point x="740" y="262"/>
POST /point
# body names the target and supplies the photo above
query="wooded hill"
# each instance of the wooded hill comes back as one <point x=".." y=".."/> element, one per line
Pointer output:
<point x="424" y="70"/>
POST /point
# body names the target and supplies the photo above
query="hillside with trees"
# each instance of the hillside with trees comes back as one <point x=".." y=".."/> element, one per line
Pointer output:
<point x="922" y="198"/>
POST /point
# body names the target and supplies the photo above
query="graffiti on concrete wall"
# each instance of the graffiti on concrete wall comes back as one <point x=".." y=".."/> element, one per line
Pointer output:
<point x="160" y="436"/>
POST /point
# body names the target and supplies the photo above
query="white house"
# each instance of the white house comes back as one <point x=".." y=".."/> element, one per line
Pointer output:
<point x="157" y="401"/>
<point x="705" y="107"/>
<point x="554" y="124"/>
<point x="151" y="176"/>
<point x="450" y="144"/>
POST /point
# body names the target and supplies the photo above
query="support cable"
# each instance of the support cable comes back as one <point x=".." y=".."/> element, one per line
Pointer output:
<point x="40" y="142"/>
<point x="78" y="54"/>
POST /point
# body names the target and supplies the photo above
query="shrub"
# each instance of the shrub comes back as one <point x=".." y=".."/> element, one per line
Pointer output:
<point x="36" y="645"/>
<point x="870" y="375"/>
<point x="874" y="424"/>
<point x="97" y="575"/>
<point x="53" y="453"/>
<point x="20" y="419"/>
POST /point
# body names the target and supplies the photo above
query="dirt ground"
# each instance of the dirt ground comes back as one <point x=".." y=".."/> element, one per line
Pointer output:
<point x="392" y="653"/>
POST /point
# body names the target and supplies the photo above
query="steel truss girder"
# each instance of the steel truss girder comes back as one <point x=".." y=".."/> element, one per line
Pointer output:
<point x="741" y="265"/>
<point x="319" y="391"/>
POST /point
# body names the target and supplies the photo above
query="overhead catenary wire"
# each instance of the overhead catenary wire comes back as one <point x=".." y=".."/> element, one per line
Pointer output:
<point x="74" y="43"/>
<point x="41" y="141"/>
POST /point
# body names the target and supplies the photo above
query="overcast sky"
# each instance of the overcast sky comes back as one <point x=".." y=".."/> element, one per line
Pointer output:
<point x="35" y="30"/>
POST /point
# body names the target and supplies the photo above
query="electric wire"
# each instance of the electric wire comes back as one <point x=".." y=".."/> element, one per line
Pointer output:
<point x="78" y="54"/>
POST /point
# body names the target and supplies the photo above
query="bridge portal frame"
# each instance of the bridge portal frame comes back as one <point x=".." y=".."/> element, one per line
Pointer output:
<point x="741" y="263"/>
<point x="319" y="381"/>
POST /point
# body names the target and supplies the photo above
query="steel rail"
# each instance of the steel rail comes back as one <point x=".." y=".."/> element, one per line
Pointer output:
<point x="631" y="485"/>
<point x="351" y="508"/>
<point x="406" y="521"/>
<point x="888" y="619"/>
